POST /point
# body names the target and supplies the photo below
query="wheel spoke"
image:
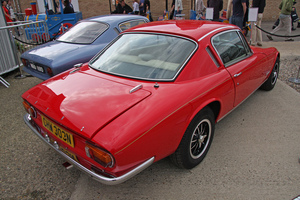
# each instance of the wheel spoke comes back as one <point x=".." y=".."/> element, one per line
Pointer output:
<point x="194" y="144"/>
<point x="198" y="139"/>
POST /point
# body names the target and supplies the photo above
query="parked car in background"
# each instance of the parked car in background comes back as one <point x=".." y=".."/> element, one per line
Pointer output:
<point x="78" y="45"/>
<point x="157" y="90"/>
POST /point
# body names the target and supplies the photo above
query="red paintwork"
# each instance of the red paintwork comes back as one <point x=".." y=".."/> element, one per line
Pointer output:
<point x="151" y="121"/>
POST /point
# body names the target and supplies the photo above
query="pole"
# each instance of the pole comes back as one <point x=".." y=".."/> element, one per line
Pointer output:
<point x="297" y="79"/>
<point x="109" y="1"/>
<point x="166" y="5"/>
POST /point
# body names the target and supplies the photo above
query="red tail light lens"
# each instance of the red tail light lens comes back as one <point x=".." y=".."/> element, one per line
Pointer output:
<point x="49" y="71"/>
<point x="24" y="61"/>
<point x="29" y="109"/>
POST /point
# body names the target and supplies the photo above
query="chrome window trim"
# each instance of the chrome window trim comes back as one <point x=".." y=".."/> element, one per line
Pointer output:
<point x="131" y="20"/>
<point x="225" y="27"/>
<point x="246" y="45"/>
<point x="147" y="79"/>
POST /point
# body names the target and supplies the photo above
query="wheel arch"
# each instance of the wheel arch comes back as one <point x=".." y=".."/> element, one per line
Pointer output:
<point x="214" y="105"/>
<point x="277" y="58"/>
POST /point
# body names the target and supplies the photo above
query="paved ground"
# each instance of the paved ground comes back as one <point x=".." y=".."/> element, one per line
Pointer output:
<point x="254" y="154"/>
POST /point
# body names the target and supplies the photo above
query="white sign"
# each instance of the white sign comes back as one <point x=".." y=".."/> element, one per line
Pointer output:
<point x="209" y="13"/>
<point x="253" y="12"/>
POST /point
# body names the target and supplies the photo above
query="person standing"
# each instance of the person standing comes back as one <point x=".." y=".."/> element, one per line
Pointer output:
<point x="136" y="8"/>
<point x="11" y="11"/>
<point x="67" y="8"/>
<point x="6" y="11"/>
<point x="200" y="8"/>
<point x="147" y="9"/>
<point x="285" y="7"/>
<point x="147" y="5"/>
<point x="172" y="9"/>
<point x="122" y="8"/>
<point x="256" y="36"/>
<point x="239" y="9"/>
<point x="141" y="4"/>
<point x="218" y="6"/>
<point x="229" y="9"/>
<point x="178" y="7"/>
<point x="246" y="13"/>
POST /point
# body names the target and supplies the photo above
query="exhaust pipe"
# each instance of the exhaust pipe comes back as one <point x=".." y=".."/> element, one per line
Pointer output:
<point x="67" y="165"/>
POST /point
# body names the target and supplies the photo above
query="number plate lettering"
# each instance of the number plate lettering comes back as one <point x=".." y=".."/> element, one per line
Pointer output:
<point x="62" y="134"/>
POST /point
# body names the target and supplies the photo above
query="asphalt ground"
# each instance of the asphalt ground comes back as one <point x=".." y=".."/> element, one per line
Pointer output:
<point x="254" y="155"/>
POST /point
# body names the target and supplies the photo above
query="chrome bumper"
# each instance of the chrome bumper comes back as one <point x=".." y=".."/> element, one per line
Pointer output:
<point x="101" y="179"/>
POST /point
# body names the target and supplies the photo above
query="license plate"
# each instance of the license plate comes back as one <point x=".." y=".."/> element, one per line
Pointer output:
<point x="59" y="132"/>
<point x="35" y="67"/>
<point x="32" y="66"/>
<point x="71" y="155"/>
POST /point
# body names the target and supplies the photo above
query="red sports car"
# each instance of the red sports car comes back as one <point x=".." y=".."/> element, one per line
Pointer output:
<point x="157" y="90"/>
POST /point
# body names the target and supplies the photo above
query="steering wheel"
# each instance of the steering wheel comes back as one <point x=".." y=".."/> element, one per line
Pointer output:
<point x="228" y="51"/>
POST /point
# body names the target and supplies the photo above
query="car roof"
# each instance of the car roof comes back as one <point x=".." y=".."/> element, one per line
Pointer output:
<point x="194" y="29"/>
<point x="116" y="18"/>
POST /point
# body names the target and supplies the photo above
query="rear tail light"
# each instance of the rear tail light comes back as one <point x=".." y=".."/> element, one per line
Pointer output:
<point x="49" y="71"/>
<point x="102" y="157"/>
<point x="24" y="61"/>
<point x="29" y="109"/>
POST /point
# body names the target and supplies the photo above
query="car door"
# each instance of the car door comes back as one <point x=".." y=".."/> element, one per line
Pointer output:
<point x="239" y="61"/>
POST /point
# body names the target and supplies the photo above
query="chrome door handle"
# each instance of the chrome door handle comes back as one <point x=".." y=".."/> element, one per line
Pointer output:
<point x="236" y="75"/>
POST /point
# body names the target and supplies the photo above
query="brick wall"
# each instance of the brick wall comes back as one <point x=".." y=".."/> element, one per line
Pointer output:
<point x="101" y="7"/>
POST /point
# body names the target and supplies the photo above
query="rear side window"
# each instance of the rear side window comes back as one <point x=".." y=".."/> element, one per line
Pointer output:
<point x="84" y="32"/>
<point x="230" y="47"/>
<point x="126" y="25"/>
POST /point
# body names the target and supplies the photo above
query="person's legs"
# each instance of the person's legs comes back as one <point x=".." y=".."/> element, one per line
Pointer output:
<point x="253" y="33"/>
<point x="287" y="25"/>
<point x="280" y="25"/>
<point x="288" y="22"/>
<point x="258" y="32"/>
<point x="175" y="13"/>
<point x="238" y="21"/>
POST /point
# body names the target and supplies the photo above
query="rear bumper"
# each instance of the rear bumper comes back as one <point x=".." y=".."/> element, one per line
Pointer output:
<point x="101" y="179"/>
<point x="35" y="73"/>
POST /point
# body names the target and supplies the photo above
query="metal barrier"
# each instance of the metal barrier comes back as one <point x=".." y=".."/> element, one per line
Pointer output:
<point x="296" y="80"/>
<point x="17" y="38"/>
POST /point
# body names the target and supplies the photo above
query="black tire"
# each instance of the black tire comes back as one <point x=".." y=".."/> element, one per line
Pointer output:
<point x="196" y="140"/>
<point x="271" y="81"/>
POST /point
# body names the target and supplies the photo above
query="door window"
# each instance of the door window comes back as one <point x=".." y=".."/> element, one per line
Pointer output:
<point x="230" y="47"/>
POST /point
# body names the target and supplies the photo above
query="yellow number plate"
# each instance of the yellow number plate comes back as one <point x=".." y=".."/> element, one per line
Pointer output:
<point x="71" y="155"/>
<point x="62" y="134"/>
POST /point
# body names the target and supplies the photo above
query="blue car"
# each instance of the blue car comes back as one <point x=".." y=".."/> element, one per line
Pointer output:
<point x="78" y="45"/>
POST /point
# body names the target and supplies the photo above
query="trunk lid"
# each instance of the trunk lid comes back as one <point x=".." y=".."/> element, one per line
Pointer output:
<point x="83" y="102"/>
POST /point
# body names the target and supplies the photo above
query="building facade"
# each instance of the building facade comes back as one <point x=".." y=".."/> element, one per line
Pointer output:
<point x="101" y="7"/>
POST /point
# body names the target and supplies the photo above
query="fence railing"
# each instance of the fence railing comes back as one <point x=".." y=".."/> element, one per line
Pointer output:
<point x="17" y="38"/>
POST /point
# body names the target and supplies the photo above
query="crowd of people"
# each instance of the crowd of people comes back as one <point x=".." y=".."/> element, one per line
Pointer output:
<point x="8" y="11"/>
<point x="237" y="13"/>
<point x="139" y="7"/>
